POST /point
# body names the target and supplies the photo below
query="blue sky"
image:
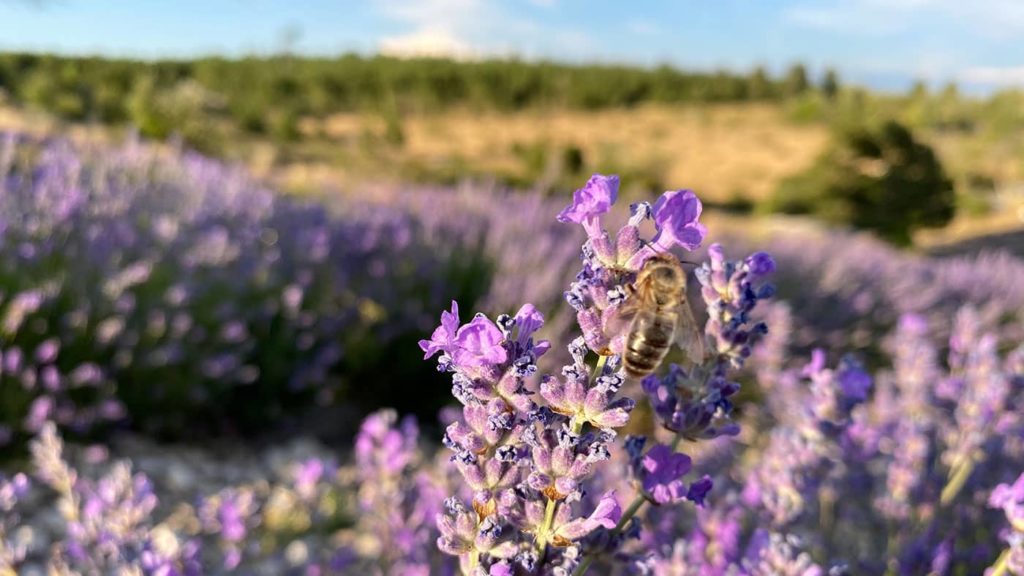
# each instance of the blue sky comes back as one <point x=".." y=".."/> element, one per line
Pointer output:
<point x="881" y="43"/>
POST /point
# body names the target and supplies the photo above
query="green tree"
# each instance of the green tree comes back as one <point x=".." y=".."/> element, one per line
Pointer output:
<point x="796" y="80"/>
<point x="830" y="84"/>
<point x="759" y="86"/>
<point x="880" y="179"/>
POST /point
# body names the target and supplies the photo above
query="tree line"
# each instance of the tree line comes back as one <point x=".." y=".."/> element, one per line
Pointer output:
<point x="267" y="94"/>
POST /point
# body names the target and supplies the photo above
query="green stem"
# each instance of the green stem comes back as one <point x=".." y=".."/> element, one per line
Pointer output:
<point x="474" y="560"/>
<point x="957" y="478"/>
<point x="599" y="367"/>
<point x="577" y="424"/>
<point x="1001" y="565"/>
<point x="545" y="528"/>
<point x="634" y="507"/>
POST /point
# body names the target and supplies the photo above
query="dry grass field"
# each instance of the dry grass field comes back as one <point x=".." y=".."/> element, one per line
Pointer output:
<point x="722" y="151"/>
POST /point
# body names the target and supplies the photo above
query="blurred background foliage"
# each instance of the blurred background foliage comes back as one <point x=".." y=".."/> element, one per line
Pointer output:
<point x="745" y="141"/>
<point x="799" y="143"/>
<point x="879" y="179"/>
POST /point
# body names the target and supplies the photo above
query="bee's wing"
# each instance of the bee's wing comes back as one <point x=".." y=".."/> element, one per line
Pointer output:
<point x="621" y="320"/>
<point x="688" y="336"/>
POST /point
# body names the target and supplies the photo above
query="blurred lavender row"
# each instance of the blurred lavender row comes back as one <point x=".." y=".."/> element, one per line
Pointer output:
<point x="883" y="473"/>
<point x="851" y="288"/>
<point x="170" y="291"/>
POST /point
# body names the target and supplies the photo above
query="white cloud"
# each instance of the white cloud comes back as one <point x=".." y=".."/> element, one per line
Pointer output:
<point x="474" y="28"/>
<point x="643" y="27"/>
<point x="845" y="18"/>
<point x="994" y="76"/>
<point x="436" y="27"/>
<point x="1001" y="19"/>
<point x="426" y="42"/>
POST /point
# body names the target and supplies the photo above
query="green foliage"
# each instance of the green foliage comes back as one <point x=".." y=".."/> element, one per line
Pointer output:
<point x="808" y="108"/>
<point x="738" y="203"/>
<point x="108" y="90"/>
<point x="830" y="84"/>
<point x="879" y="179"/>
<point x="392" y="364"/>
<point x="185" y="109"/>
<point x="796" y="82"/>
<point x="759" y="85"/>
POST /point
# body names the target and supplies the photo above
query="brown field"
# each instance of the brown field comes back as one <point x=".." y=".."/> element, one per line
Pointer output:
<point x="720" y="151"/>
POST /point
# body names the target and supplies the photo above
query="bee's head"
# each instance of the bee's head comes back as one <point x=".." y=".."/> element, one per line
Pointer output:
<point x="665" y="277"/>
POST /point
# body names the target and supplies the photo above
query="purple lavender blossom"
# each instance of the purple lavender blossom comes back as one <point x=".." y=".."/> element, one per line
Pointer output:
<point x="608" y="267"/>
<point x="731" y="290"/>
<point x="662" y="471"/>
<point x="676" y="219"/>
<point x="108" y="521"/>
<point x="692" y="406"/>
<point x="773" y="554"/>
<point x="590" y="202"/>
<point x="526" y="464"/>
<point x="165" y="270"/>
<point x="801" y="455"/>
<point x="397" y="502"/>
<point x="606" y="515"/>
<point x="12" y="491"/>
<point x="1010" y="499"/>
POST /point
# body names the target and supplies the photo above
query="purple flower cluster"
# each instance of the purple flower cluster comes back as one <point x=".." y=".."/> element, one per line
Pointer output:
<point x="176" y="272"/>
<point x="1010" y="499"/>
<point x="731" y="291"/>
<point x="523" y="463"/>
<point x="112" y="521"/>
<point x="160" y="288"/>
<point x="848" y="289"/>
<point x="12" y="490"/>
<point x="109" y="527"/>
<point x="398" y="500"/>
<point x="609" y="267"/>
<point x="838" y="450"/>
<point x="527" y="447"/>
<point x="801" y="454"/>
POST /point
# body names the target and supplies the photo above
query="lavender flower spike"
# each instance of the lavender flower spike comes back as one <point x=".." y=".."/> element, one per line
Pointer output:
<point x="444" y="334"/>
<point x="606" y="515"/>
<point x="530" y="447"/>
<point x="677" y="220"/>
<point x="1010" y="499"/>
<point x="731" y="291"/>
<point x="662" y="470"/>
<point x="589" y="202"/>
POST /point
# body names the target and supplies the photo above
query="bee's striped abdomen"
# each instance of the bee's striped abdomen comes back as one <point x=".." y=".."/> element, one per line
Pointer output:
<point x="648" y="341"/>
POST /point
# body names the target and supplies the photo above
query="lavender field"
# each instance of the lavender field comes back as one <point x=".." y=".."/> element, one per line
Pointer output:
<point x="199" y="375"/>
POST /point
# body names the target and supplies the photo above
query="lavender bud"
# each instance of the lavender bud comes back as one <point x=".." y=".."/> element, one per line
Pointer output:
<point x="616" y="296"/>
<point x="609" y="383"/>
<point x="566" y="438"/>
<point x="506" y="453"/>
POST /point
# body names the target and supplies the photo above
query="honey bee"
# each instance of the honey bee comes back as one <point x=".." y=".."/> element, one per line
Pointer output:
<point x="658" y="315"/>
